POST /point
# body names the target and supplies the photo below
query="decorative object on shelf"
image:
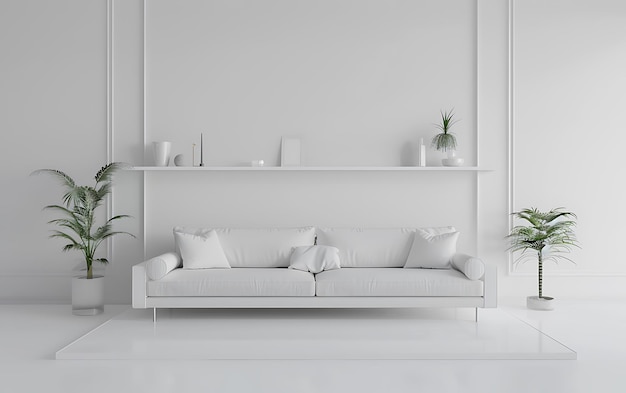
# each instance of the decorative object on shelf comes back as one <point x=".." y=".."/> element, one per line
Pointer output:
<point x="193" y="154"/>
<point x="290" y="152"/>
<point x="180" y="160"/>
<point x="421" y="153"/>
<point x="446" y="141"/>
<point x="77" y="228"/>
<point x="201" y="150"/>
<point x="257" y="163"/>
<point x="546" y="236"/>
<point x="452" y="159"/>
<point x="162" y="153"/>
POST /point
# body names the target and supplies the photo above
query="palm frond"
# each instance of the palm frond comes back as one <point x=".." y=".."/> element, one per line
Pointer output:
<point x="70" y="246"/>
<point x="65" y="236"/>
<point x="104" y="190"/>
<point x="105" y="173"/>
<point x="119" y="216"/>
<point x="62" y="209"/>
<point x="65" y="179"/>
<point x="109" y="234"/>
<point x="71" y="194"/>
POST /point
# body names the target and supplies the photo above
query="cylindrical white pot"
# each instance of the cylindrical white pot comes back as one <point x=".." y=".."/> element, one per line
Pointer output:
<point x="162" y="153"/>
<point x="540" y="303"/>
<point x="87" y="295"/>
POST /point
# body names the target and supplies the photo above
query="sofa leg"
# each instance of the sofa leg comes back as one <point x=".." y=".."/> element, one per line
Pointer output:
<point x="154" y="315"/>
<point x="476" y="316"/>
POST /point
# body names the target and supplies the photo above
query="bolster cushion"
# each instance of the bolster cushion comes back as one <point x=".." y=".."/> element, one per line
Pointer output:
<point x="472" y="267"/>
<point x="159" y="266"/>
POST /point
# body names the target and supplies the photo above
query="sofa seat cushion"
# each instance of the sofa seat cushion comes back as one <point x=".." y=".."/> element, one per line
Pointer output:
<point x="234" y="282"/>
<point x="396" y="282"/>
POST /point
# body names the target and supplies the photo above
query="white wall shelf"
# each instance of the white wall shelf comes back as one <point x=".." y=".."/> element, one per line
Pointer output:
<point x="312" y="168"/>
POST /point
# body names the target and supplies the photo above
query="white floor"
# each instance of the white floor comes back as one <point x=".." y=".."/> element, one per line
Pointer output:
<point x="309" y="334"/>
<point x="30" y="336"/>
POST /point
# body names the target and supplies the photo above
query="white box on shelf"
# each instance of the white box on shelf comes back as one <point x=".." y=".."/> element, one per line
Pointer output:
<point x="290" y="152"/>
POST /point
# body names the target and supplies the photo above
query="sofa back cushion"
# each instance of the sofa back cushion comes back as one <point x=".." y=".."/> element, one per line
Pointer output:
<point x="370" y="247"/>
<point x="268" y="247"/>
<point x="360" y="247"/>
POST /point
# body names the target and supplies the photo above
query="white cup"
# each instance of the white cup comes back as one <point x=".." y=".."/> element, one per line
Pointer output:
<point x="162" y="153"/>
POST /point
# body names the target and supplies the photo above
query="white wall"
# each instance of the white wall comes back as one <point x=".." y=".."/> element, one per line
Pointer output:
<point x="358" y="81"/>
<point x="312" y="69"/>
<point x="53" y="115"/>
<point x="569" y="89"/>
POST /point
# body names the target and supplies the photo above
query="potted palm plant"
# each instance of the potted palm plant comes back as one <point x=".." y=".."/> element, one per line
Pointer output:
<point x="445" y="140"/>
<point x="544" y="236"/>
<point x="77" y="225"/>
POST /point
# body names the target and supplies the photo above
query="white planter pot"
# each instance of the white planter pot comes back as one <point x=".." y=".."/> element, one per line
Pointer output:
<point x="540" y="303"/>
<point x="452" y="159"/>
<point x="162" y="153"/>
<point x="87" y="295"/>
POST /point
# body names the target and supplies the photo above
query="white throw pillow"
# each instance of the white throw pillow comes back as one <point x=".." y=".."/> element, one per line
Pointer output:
<point x="315" y="259"/>
<point x="437" y="230"/>
<point x="159" y="266"/>
<point x="200" y="250"/>
<point x="432" y="251"/>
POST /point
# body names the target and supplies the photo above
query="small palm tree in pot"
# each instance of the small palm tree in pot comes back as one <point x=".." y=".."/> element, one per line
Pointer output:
<point x="545" y="236"/>
<point x="78" y="227"/>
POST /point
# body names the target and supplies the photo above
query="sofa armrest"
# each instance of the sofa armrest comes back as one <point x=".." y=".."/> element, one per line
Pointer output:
<point x="139" y="280"/>
<point x="472" y="267"/>
<point x="475" y="269"/>
<point x="490" y="283"/>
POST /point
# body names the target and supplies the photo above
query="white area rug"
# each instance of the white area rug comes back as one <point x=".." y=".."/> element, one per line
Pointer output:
<point x="315" y="334"/>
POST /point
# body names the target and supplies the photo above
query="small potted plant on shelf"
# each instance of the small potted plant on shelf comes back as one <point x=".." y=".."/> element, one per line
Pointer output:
<point x="446" y="141"/>
<point x="545" y="236"/>
<point x="78" y="227"/>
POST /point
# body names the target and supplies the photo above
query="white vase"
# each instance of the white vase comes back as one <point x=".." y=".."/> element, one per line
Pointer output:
<point x="452" y="159"/>
<point x="87" y="295"/>
<point x="162" y="153"/>
<point x="421" y="153"/>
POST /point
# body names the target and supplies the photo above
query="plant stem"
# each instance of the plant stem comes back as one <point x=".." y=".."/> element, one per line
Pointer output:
<point x="540" y="259"/>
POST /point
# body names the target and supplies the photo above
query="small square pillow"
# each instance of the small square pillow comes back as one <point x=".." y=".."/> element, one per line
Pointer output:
<point x="314" y="259"/>
<point x="201" y="250"/>
<point x="432" y="251"/>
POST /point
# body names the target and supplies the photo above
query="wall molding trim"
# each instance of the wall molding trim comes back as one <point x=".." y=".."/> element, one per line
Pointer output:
<point x="110" y="122"/>
<point x="512" y="271"/>
<point x="511" y="131"/>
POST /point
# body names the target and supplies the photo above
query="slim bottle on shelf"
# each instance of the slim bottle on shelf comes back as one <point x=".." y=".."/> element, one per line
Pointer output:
<point x="421" y="153"/>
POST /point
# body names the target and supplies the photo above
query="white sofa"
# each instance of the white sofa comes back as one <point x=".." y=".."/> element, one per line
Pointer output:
<point x="313" y="268"/>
